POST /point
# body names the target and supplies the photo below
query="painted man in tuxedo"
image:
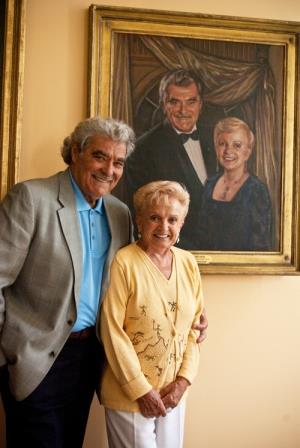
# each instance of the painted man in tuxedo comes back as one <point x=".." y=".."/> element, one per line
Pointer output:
<point x="178" y="149"/>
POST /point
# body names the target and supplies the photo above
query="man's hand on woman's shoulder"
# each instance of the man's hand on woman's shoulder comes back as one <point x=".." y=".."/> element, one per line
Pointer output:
<point x="202" y="327"/>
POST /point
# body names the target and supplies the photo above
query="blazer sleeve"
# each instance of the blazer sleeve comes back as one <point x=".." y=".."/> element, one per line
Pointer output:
<point x="16" y="230"/>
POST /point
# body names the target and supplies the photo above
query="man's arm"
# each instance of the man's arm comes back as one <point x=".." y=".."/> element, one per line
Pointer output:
<point x="17" y="226"/>
<point x="202" y="326"/>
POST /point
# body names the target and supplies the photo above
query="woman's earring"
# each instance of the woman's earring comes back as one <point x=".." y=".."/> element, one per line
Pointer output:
<point x="178" y="239"/>
<point x="139" y="235"/>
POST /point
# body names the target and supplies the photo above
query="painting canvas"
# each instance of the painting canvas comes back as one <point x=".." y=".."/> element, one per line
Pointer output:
<point x="247" y="75"/>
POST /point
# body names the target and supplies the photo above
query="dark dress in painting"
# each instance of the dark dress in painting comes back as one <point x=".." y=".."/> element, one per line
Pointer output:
<point x="243" y="224"/>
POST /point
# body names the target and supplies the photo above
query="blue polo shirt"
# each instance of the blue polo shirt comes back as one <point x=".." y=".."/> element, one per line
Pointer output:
<point x="95" y="239"/>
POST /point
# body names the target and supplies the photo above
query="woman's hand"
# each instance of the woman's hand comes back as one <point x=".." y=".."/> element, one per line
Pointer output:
<point x="151" y="405"/>
<point x="172" y="393"/>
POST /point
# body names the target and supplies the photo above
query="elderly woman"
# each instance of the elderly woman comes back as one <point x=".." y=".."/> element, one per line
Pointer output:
<point x="154" y="297"/>
<point x="236" y="208"/>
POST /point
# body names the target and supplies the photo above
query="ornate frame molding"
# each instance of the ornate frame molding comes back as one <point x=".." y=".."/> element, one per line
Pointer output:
<point x="12" y="93"/>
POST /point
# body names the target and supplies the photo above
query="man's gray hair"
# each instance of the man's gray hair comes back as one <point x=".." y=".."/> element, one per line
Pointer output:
<point x="180" y="78"/>
<point x="115" y="130"/>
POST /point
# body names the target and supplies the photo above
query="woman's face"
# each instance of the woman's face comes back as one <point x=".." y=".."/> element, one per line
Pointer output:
<point x="160" y="224"/>
<point x="232" y="149"/>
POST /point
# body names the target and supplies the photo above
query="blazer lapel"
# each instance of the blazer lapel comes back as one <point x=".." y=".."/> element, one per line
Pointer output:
<point x="70" y="227"/>
<point x="114" y="242"/>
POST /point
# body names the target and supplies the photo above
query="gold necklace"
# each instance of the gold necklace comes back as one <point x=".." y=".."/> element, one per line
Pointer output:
<point x="228" y="186"/>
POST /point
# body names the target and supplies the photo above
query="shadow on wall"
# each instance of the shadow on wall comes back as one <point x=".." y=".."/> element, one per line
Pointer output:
<point x="95" y="435"/>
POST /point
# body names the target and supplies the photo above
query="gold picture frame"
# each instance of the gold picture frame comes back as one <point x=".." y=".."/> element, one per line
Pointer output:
<point x="12" y="68"/>
<point x="129" y="51"/>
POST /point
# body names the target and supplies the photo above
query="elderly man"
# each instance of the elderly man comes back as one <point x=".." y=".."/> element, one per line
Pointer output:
<point x="57" y="239"/>
<point x="178" y="149"/>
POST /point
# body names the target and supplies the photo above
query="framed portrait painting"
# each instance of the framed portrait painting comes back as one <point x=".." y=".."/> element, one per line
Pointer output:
<point x="214" y="103"/>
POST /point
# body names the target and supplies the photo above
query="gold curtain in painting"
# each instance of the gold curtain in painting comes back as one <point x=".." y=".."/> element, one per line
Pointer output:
<point x="121" y="91"/>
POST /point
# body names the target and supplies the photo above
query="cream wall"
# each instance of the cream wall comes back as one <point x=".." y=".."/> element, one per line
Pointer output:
<point x="247" y="394"/>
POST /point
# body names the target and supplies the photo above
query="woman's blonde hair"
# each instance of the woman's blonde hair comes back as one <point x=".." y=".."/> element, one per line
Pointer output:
<point x="159" y="192"/>
<point x="231" y="124"/>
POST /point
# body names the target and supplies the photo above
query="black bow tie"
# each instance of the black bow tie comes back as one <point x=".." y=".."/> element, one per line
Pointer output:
<point x="193" y="135"/>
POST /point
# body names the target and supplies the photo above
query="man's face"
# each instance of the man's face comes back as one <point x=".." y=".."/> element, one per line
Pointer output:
<point x="99" y="167"/>
<point x="182" y="106"/>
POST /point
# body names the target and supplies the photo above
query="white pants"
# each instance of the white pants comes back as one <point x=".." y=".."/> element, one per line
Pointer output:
<point x="132" y="430"/>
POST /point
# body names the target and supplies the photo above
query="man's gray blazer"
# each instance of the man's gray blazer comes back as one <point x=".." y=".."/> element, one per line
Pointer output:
<point x="40" y="273"/>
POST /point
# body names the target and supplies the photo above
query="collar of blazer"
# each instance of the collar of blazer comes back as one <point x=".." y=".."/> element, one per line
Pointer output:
<point x="65" y="191"/>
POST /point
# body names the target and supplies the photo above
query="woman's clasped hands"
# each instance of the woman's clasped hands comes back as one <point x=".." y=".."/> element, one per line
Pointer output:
<point x="155" y="404"/>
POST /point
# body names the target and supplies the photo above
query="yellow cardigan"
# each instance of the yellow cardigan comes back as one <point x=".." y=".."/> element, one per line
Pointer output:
<point x="146" y="344"/>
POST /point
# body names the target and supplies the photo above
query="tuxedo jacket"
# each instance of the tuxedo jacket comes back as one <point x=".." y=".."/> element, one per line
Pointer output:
<point x="160" y="155"/>
<point x="40" y="273"/>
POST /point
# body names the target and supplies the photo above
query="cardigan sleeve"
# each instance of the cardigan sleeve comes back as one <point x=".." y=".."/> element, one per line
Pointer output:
<point x="190" y="363"/>
<point x="119" y="350"/>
